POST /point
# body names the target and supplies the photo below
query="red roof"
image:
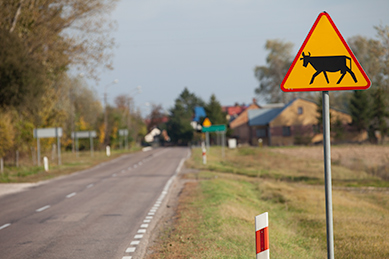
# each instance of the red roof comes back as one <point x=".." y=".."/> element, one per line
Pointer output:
<point x="233" y="110"/>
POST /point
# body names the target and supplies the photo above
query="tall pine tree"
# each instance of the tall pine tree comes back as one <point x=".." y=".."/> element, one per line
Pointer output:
<point x="379" y="112"/>
<point x="360" y="110"/>
<point x="178" y="126"/>
<point x="214" y="111"/>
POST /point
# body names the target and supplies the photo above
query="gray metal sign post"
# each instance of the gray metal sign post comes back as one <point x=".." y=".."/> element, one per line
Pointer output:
<point x="84" y="134"/>
<point x="330" y="51"/>
<point x="215" y="128"/>
<point x="58" y="144"/>
<point x="327" y="173"/>
<point x="91" y="141"/>
<point x="123" y="133"/>
<point x="48" y="133"/>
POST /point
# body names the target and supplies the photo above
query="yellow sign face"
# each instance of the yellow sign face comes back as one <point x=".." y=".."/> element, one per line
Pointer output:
<point x="325" y="62"/>
<point x="207" y="123"/>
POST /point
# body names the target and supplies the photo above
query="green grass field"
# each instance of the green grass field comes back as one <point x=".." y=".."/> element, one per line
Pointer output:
<point x="28" y="172"/>
<point x="215" y="217"/>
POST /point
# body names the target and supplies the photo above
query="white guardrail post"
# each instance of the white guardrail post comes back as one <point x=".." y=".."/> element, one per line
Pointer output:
<point x="262" y="236"/>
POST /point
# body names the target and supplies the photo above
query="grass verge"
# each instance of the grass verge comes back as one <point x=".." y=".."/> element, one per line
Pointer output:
<point x="215" y="217"/>
<point x="70" y="163"/>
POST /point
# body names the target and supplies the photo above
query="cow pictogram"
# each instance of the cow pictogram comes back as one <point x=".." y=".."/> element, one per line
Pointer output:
<point x="328" y="64"/>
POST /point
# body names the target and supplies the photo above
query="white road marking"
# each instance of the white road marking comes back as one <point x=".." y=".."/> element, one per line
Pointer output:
<point x="43" y="208"/>
<point x="90" y="185"/>
<point x="144" y="225"/>
<point x="151" y="213"/>
<point x="146" y="221"/>
<point x="138" y="236"/>
<point x="130" y="250"/>
<point x="126" y="257"/>
<point x="134" y="243"/>
<point x="71" y="195"/>
<point x="5" y="226"/>
<point x="149" y="217"/>
<point x="142" y="231"/>
<point x="114" y="175"/>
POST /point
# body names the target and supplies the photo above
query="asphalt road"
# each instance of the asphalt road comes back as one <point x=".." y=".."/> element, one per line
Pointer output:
<point x="102" y="212"/>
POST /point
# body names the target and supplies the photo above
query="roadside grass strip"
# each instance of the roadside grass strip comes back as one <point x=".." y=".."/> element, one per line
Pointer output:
<point x="215" y="216"/>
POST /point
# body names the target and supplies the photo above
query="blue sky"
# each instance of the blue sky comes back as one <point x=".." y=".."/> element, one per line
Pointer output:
<point x="213" y="46"/>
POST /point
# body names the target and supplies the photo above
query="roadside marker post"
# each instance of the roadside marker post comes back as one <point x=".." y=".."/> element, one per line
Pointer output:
<point x="46" y="163"/>
<point x="330" y="55"/>
<point x="204" y="153"/>
<point x="204" y="156"/>
<point x="262" y="236"/>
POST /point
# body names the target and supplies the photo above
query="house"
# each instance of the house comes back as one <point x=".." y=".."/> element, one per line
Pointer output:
<point x="240" y="127"/>
<point x="233" y="111"/>
<point x="294" y="123"/>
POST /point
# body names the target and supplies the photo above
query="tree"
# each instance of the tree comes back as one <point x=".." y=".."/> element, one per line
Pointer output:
<point x="6" y="133"/>
<point x="178" y="126"/>
<point x="60" y="33"/>
<point x="214" y="111"/>
<point x="368" y="52"/>
<point x="373" y="54"/>
<point x="319" y="111"/>
<point x="156" y="117"/>
<point x="379" y="112"/>
<point x="22" y="79"/>
<point x="86" y="102"/>
<point x="383" y="54"/>
<point x="360" y="110"/>
<point x="270" y="76"/>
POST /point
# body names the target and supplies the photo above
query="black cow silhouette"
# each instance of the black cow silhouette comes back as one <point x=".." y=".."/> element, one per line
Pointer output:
<point x="328" y="64"/>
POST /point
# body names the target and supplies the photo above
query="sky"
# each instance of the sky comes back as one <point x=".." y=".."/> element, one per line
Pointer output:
<point x="213" y="46"/>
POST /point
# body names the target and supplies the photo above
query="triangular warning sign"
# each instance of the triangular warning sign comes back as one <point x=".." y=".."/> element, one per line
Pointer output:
<point x="325" y="62"/>
<point x="207" y="123"/>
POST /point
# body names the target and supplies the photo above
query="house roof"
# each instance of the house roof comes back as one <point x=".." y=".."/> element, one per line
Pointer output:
<point x="243" y="118"/>
<point x="234" y="110"/>
<point x="262" y="117"/>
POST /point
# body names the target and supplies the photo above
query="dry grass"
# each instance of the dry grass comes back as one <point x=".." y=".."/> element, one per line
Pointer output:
<point x="70" y="162"/>
<point x="216" y="216"/>
<point x="373" y="159"/>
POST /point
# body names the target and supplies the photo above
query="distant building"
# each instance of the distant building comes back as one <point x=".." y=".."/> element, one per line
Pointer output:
<point x="233" y="111"/>
<point x="240" y="127"/>
<point x="280" y="125"/>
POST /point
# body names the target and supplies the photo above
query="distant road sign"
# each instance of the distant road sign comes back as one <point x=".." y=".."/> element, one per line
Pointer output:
<point x="207" y="123"/>
<point x="325" y="62"/>
<point x="48" y="133"/>
<point x="84" y="134"/>
<point x="214" y="128"/>
<point x="123" y="132"/>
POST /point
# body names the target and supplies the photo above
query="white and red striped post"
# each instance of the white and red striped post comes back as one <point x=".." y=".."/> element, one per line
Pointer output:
<point x="204" y="156"/>
<point x="262" y="236"/>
